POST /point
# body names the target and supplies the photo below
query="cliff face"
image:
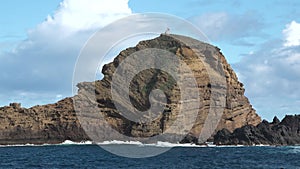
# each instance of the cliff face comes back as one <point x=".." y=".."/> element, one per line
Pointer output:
<point x="204" y="60"/>
<point x="58" y="122"/>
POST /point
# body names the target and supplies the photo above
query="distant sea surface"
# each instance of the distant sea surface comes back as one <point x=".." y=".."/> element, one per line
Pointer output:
<point x="92" y="156"/>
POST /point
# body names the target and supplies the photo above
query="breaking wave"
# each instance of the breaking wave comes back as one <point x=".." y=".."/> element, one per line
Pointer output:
<point x="117" y="142"/>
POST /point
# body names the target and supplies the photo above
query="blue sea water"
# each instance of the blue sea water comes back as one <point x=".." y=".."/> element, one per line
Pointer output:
<point x="92" y="156"/>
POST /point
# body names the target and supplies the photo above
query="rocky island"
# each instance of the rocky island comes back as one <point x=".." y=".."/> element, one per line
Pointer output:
<point x="239" y="123"/>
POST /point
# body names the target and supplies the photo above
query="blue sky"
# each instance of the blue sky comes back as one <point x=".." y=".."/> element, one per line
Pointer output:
<point x="40" y="41"/>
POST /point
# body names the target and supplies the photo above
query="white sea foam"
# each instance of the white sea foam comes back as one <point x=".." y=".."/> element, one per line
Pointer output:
<point x="117" y="142"/>
<point x="69" y="142"/>
<point x="137" y="143"/>
<point x="167" y="144"/>
<point x="23" y="145"/>
<point x="158" y="144"/>
<point x="240" y="145"/>
<point x="66" y="142"/>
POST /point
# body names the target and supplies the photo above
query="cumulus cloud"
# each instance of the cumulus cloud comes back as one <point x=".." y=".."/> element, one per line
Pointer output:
<point x="272" y="77"/>
<point x="78" y="15"/>
<point x="43" y="64"/>
<point x="292" y="34"/>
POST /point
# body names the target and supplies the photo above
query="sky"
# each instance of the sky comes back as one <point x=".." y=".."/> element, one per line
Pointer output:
<point x="40" y="42"/>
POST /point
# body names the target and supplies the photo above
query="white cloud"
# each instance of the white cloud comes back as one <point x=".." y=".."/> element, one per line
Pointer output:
<point x="292" y="34"/>
<point x="59" y="96"/>
<point x="272" y="76"/>
<point x="43" y="64"/>
<point x="78" y="15"/>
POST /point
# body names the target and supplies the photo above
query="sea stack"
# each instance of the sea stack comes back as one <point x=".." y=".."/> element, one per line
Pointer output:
<point x="237" y="110"/>
<point x="58" y="122"/>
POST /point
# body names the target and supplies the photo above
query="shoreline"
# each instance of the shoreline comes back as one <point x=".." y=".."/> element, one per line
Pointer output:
<point x="137" y="143"/>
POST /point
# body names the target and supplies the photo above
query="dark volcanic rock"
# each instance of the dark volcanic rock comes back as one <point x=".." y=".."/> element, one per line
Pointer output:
<point x="286" y="132"/>
<point x="275" y="120"/>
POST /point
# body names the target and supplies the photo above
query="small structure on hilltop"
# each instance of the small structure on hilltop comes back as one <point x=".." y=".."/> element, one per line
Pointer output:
<point x="15" y="105"/>
<point x="167" y="32"/>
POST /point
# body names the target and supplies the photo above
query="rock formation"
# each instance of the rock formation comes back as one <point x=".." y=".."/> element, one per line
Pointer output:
<point x="57" y="122"/>
<point x="286" y="132"/>
<point x="52" y="123"/>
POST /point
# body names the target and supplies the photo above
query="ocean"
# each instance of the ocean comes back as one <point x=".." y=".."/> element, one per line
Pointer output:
<point x="92" y="156"/>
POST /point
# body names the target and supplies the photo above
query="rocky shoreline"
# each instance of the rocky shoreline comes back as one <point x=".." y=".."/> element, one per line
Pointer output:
<point x="47" y="124"/>
<point x="277" y="133"/>
<point x="238" y="123"/>
<point x="58" y="130"/>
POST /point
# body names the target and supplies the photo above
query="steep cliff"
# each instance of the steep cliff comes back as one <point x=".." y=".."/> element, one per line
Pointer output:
<point x="57" y="122"/>
<point x="214" y="85"/>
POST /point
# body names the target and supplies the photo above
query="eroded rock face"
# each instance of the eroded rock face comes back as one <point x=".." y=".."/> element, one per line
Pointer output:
<point x="53" y="123"/>
<point x="58" y="122"/>
<point x="286" y="132"/>
<point x="204" y="60"/>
